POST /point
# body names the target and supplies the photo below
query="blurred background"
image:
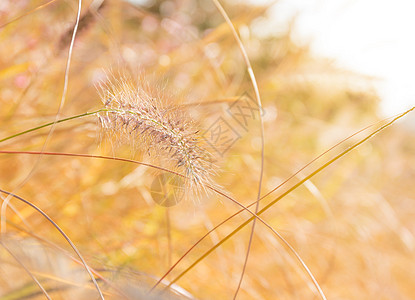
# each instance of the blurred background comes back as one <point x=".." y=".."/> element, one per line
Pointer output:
<point x="325" y="70"/>
<point x="370" y="37"/>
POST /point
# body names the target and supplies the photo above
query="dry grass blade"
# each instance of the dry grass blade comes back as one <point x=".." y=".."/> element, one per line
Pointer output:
<point x="62" y="233"/>
<point x="49" y="124"/>
<point x="206" y="186"/>
<point x="258" y="99"/>
<point x="27" y="13"/>
<point x="254" y="216"/>
<point x="255" y="202"/>
<point x="61" y="104"/>
<point x="45" y="293"/>
<point x="289" y="191"/>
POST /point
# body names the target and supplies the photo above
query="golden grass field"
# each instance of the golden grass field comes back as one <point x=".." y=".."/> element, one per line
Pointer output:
<point x="165" y="76"/>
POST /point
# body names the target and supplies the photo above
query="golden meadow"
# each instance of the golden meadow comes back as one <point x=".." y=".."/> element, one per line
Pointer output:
<point x="134" y="142"/>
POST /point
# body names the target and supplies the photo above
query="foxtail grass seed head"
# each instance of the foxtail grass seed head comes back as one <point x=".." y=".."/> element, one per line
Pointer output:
<point x="140" y="113"/>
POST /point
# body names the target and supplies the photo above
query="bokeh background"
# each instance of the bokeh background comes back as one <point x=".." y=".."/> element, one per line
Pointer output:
<point x="352" y="224"/>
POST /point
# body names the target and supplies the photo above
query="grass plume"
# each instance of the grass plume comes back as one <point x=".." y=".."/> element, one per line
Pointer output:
<point x="137" y="113"/>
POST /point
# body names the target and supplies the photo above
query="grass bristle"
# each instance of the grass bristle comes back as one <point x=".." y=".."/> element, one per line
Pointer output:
<point x="143" y="115"/>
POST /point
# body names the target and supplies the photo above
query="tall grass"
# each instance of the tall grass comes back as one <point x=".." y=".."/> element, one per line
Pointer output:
<point x="324" y="182"/>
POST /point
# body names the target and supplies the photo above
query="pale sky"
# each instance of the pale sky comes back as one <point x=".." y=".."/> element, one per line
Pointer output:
<point x="373" y="37"/>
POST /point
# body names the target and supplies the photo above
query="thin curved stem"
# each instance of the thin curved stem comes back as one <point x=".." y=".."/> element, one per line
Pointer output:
<point x="90" y="156"/>
<point x="45" y="293"/>
<point x="71" y="257"/>
<point x="27" y="13"/>
<point x="164" y="169"/>
<point x="258" y="98"/>
<point x="289" y="191"/>
<point x="127" y="160"/>
<point x="280" y="197"/>
<point x="62" y="233"/>
<point x="49" y="136"/>
<point x="266" y="195"/>
<point x="50" y="124"/>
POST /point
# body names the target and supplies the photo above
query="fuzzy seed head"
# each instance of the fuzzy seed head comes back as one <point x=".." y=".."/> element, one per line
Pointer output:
<point x="139" y="112"/>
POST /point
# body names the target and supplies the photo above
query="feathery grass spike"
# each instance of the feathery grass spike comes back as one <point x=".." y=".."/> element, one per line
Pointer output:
<point x="134" y="109"/>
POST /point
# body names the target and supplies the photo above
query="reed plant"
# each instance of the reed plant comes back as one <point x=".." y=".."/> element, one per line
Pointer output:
<point x="149" y="180"/>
